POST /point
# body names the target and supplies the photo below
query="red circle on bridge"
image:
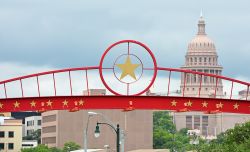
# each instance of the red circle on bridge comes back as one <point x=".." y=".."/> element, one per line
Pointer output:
<point x="137" y="43"/>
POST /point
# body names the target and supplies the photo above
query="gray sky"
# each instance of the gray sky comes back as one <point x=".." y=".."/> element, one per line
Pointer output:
<point x="74" y="33"/>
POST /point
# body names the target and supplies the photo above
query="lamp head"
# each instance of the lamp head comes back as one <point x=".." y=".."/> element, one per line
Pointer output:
<point x="91" y="113"/>
<point x="97" y="131"/>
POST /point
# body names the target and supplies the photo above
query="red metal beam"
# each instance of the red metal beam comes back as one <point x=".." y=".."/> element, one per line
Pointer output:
<point x="74" y="103"/>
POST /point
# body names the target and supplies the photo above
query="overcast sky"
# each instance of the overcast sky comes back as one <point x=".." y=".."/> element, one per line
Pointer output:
<point x="53" y="34"/>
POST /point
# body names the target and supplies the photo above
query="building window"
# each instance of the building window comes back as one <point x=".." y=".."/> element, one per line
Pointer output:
<point x="11" y="134"/>
<point x="194" y="76"/>
<point x="205" y="125"/>
<point x="205" y="79"/>
<point x="29" y="132"/>
<point x="30" y="123"/>
<point x="10" y="146"/>
<point x="196" y="122"/>
<point x="1" y="134"/>
<point x="39" y="122"/>
<point x="189" y="122"/>
<point x="1" y="146"/>
<point x="50" y="118"/>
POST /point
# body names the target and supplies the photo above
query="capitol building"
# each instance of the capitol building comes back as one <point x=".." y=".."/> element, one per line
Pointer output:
<point x="201" y="56"/>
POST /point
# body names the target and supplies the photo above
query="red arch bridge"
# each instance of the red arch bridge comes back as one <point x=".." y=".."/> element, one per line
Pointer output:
<point x="126" y="85"/>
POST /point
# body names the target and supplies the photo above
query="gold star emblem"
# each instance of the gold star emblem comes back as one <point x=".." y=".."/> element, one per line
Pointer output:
<point x="17" y="104"/>
<point x="188" y="104"/>
<point x="33" y="104"/>
<point x="236" y="106"/>
<point x="65" y="103"/>
<point x="128" y="68"/>
<point x="204" y="104"/>
<point x="49" y="103"/>
<point x="76" y="103"/>
<point x="81" y="102"/>
<point x="1" y="105"/>
<point x="220" y="105"/>
<point x="173" y="103"/>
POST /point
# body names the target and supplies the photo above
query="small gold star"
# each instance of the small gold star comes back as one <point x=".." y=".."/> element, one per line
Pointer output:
<point x="204" y="104"/>
<point x="128" y="68"/>
<point x="42" y="104"/>
<point x="33" y="104"/>
<point x="16" y="104"/>
<point x="1" y="105"/>
<point x="236" y="106"/>
<point x="220" y="105"/>
<point x="76" y="103"/>
<point x="65" y="103"/>
<point x="81" y="102"/>
<point x="173" y="103"/>
<point x="188" y="104"/>
<point x="49" y="103"/>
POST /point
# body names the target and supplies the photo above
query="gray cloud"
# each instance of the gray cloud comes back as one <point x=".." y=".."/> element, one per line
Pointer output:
<point x="65" y="33"/>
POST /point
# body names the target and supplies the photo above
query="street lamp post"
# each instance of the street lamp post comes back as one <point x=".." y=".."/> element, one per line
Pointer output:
<point x="86" y="130"/>
<point x="117" y="131"/>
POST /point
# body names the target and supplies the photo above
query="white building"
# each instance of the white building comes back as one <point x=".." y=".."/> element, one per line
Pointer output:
<point x="32" y="124"/>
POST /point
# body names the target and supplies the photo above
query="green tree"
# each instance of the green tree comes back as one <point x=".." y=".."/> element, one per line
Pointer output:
<point x="162" y="120"/>
<point x="36" y="135"/>
<point x="69" y="146"/>
<point x="39" y="148"/>
<point x="165" y="135"/>
<point x="233" y="140"/>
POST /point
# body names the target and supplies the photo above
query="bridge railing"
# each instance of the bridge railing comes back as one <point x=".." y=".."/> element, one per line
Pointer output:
<point x="21" y="86"/>
<point x="218" y="79"/>
<point x="19" y="82"/>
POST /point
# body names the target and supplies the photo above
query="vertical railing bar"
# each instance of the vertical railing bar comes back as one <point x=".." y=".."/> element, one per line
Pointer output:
<point x="70" y="83"/>
<point x="128" y="49"/>
<point x="54" y="83"/>
<point x="38" y="86"/>
<point x="200" y="85"/>
<point x="87" y="80"/>
<point x="232" y="90"/>
<point x="183" y="91"/>
<point x="169" y="77"/>
<point x="127" y="89"/>
<point x="215" y="91"/>
<point x="21" y="87"/>
<point x="247" y="92"/>
<point x="5" y="91"/>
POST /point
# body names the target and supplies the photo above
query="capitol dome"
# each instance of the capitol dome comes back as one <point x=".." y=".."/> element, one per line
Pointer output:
<point x="201" y="42"/>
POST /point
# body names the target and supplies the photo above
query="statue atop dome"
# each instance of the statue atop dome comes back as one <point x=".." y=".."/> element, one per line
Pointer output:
<point x="201" y="25"/>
